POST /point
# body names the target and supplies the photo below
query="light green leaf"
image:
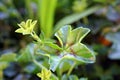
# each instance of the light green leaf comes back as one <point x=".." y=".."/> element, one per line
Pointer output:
<point x="82" y="53"/>
<point x="63" y="34"/>
<point x="3" y="65"/>
<point x="77" y="35"/>
<point x="64" y="66"/>
<point x="75" y="17"/>
<point x="54" y="46"/>
<point x="46" y="11"/>
<point x="8" y="57"/>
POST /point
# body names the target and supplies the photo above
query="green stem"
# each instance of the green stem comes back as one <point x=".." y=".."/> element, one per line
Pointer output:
<point x="34" y="35"/>
<point x="71" y="68"/>
<point x="38" y="64"/>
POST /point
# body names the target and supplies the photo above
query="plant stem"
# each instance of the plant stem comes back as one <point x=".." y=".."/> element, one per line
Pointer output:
<point x="70" y="70"/>
<point x="34" y="35"/>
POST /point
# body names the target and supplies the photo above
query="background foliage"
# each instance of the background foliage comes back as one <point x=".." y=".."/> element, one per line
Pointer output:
<point x="102" y="17"/>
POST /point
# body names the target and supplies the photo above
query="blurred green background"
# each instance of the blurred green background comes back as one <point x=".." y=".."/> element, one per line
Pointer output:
<point x="101" y="16"/>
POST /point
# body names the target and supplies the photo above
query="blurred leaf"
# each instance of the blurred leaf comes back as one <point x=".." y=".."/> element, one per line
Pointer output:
<point x="64" y="66"/>
<point x="1" y="75"/>
<point x="46" y="11"/>
<point x="26" y="53"/>
<point x="54" y="61"/>
<point x="77" y="35"/>
<point x="79" y="5"/>
<point x="83" y="79"/>
<point x="3" y="65"/>
<point x="73" y="77"/>
<point x="115" y="49"/>
<point x="8" y="57"/>
<point x="64" y="77"/>
<point x="75" y="17"/>
<point x="54" y="46"/>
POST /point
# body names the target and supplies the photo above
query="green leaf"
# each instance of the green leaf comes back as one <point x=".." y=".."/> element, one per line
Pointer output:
<point x="3" y="65"/>
<point x="1" y="75"/>
<point x="26" y="53"/>
<point x="54" y="46"/>
<point x="81" y="53"/>
<point x="64" y="66"/>
<point x="75" y="17"/>
<point x="46" y="9"/>
<point x="77" y="35"/>
<point x="64" y="77"/>
<point x="72" y="48"/>
<point x="8" y="57"/>
<point x="73" y="77"/>
<point x="54" y="61"/>
<point x="63" y="34"/>
<point x="83" y="78"/>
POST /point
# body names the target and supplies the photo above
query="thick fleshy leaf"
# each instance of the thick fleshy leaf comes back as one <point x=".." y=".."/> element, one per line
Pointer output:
<point x="8" y="57"/>
<point x="63" y="34"/>
<point x="82" y="53"/>
<point x="64" y="66"/>
<point x="54" y="61"/>
<point x="77" y="35"/>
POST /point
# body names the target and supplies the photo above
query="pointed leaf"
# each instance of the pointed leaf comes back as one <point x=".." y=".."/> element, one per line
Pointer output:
<point x="82" y="53"/>
<point x="54" y="62"/>
<point x="73" y="77"/>
<point x="63" y="34"/>
<point x="77" y="35"/>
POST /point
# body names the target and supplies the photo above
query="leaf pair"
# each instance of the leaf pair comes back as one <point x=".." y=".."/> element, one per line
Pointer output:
<point x="73" y="49"/>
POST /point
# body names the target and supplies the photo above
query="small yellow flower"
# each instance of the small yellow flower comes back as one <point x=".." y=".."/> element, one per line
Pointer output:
<point x="26" y="27"/>
<point x="45" y="74"/>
